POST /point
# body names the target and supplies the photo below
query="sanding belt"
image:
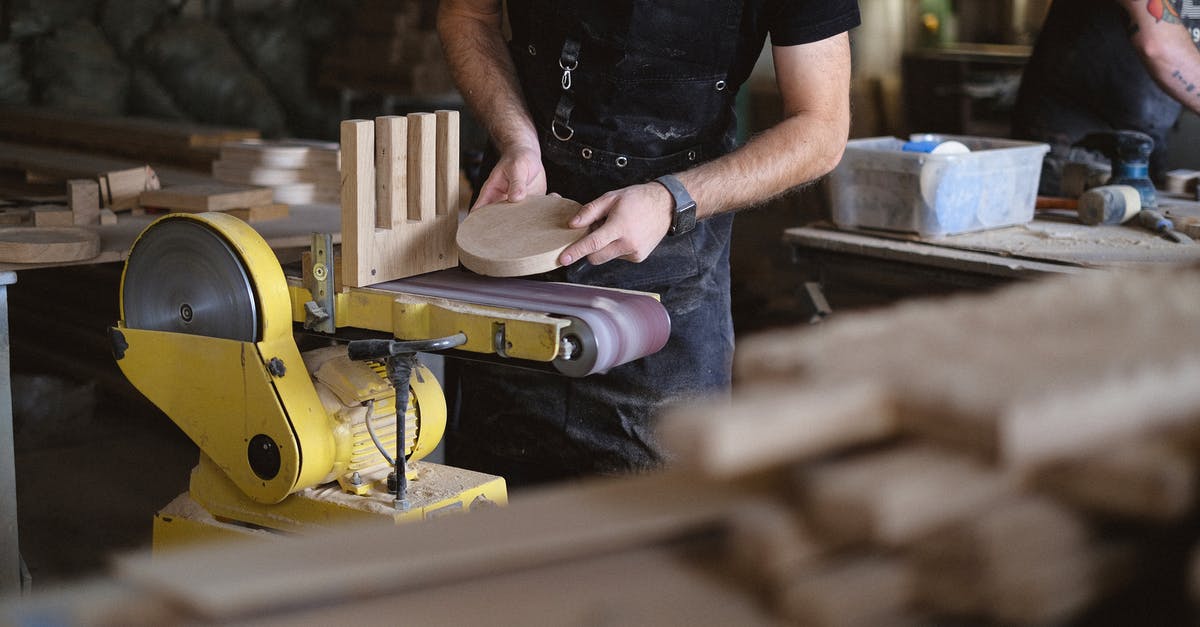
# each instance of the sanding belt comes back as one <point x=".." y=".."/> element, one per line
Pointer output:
<point x="626" y="326"/>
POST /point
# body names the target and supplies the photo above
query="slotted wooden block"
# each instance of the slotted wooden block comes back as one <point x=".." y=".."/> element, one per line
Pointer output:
<point x="400" y="179"/>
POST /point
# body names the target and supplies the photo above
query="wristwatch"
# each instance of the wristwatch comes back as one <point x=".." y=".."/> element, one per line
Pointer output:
<point x="683" y="216"/>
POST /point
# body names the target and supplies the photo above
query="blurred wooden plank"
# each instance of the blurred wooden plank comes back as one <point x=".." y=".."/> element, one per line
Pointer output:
<point x="894" y="497"/>
<point x="63" y="165"/>
<point x="766" y="427"/>
<point x="543" y="527"/>
<point x="164" y="141"/>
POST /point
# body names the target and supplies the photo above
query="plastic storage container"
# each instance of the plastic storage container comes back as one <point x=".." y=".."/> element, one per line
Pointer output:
<point x="877" y="185"/>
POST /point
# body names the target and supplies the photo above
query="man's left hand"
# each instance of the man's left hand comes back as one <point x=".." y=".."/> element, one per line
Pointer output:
<point x="628" y="224"/>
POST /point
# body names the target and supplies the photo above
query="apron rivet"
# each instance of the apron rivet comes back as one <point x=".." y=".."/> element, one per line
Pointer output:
<point x="720" y="85"/>
<point x="586" y="152"/>
<point x="532" y="50"/>
<point x="622" y="162"/>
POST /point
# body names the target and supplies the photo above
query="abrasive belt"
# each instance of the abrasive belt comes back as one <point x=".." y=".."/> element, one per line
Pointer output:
<point x="626" y="326"/>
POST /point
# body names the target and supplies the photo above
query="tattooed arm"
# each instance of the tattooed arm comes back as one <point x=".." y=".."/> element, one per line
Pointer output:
<point x="1167" y="48"/>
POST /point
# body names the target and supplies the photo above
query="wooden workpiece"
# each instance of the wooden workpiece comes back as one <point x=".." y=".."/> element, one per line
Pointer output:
<point x="23" y="244"/>
<point x="212" y="196"/>
<point x="51" y="215"/>
<point x="391" y="225"/>
<point x="517" y="239"/>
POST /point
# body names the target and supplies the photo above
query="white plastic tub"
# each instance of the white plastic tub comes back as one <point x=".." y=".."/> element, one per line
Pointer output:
<point x="877" y="185"/>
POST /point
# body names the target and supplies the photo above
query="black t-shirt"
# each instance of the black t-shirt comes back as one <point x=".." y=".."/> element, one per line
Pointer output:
<point x="788" y="22"/>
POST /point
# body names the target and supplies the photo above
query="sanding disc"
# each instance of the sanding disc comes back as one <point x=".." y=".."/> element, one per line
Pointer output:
<point x="183" y="277"/>
<point x="45" y="244"/>
<point x="517" y="239"/>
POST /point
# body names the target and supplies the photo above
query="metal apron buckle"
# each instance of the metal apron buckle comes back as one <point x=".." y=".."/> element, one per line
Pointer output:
<point x="554" y="129"/>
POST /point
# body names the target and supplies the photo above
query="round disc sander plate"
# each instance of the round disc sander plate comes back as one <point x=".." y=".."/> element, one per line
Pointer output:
<point x="183" y="277"/>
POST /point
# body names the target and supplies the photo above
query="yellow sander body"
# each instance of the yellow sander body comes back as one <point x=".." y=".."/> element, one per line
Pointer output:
<point x="291" y="441"/>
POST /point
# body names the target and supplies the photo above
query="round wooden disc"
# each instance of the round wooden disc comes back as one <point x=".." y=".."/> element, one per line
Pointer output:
<point x="46" y="244"/>
<point x="517" y="239"/>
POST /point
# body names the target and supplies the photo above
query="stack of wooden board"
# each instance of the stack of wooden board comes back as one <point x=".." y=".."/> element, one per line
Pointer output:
<point x="159" y="141"/>
<point x="966" y="458"/>
<point x="300" y="172"/>
<point x="392" y="48"/>
<point x="1014" y="458"/>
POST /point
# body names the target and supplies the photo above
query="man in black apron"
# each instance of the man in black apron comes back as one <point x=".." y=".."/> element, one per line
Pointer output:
<point x="1103" y="65"/>
<point x="596" y="101"/>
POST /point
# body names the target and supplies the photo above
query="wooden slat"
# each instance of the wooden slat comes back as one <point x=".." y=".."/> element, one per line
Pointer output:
<point x="448" y="188"/>
<point x="358" y="202"/>
<point x="391" y="172"/>
<point x="422" y="166"/>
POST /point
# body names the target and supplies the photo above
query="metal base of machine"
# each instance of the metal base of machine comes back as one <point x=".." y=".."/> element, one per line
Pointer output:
<point x="215" y="509"/>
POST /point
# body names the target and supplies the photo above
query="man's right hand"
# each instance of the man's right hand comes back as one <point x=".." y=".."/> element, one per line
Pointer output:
<point x="518" y="174"/>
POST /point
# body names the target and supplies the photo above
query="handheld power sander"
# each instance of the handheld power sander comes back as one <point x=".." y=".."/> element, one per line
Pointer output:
<point x="1129" y="152"/>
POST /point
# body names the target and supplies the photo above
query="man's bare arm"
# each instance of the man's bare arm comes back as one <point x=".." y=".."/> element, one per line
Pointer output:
<point x="475" y="50"/>
<point x="1167" y="49"/>
<point x="814" y="81"/>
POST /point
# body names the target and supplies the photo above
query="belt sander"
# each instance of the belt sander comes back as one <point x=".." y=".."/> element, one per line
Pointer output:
<point x="292" y="440"/>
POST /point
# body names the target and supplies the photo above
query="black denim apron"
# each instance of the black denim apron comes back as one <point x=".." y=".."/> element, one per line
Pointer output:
<point x="621" y="92"/>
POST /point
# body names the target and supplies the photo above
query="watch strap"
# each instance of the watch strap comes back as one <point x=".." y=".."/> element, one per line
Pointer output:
<point x="683" y="214"/>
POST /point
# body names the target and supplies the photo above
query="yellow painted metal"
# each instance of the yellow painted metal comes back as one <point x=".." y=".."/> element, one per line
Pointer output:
<point x="184" y="524"/>
<point x="346" y="387"/>
<point x="437" y="490"/>
<point x="529" y="335"/>
<point x="429" y="404"/>
<point x="221" y="392"/>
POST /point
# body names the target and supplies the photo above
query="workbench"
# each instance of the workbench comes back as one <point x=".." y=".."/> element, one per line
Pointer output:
<point x="887" y="266"/>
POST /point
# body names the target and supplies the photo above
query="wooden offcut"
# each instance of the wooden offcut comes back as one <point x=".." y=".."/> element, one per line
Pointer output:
<point x="22" y="244"/>
<point x="122" y="189"/>
<point x="52" y="215"/>
<point x="390" y="225"/>
<point x="273" y="211"/>
<point x="517" y="239"/>
<point x="83" y="198"/>
<point x="214" y="196"/>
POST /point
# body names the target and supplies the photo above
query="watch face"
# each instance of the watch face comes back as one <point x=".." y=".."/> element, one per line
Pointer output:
<point x="684" y="219"/>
